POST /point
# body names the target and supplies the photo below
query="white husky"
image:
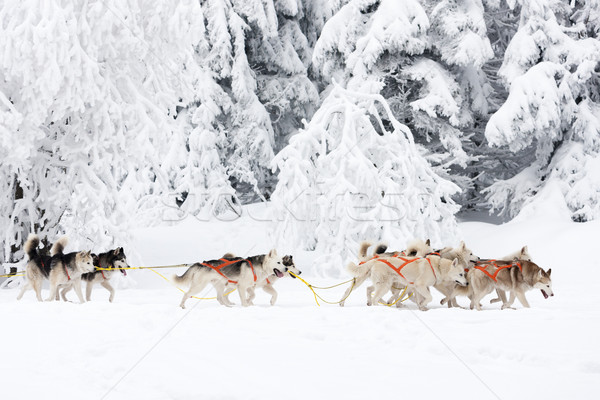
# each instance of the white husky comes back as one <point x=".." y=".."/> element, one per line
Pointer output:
<point x="419" y="273"/>
<point x="415" y="248"/>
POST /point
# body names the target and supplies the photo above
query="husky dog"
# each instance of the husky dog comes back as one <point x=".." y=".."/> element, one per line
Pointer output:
<point x="516" y="276"/>
<point x="522" y="254"/>
<point x="241" y="272"/>
<point x="266" y="284"/>
<point x="416" y="248"/>
<point x="110" y="261"/>
<point x="66" y="269"/>
<point x="37" y="268"/>
<point x="418" y="272"/>
<point x="465" y="257"/>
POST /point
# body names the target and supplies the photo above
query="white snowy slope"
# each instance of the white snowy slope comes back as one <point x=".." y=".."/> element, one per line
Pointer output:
<point x="144" y="346"/>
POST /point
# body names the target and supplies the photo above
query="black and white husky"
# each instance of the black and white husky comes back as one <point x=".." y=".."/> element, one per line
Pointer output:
<point x="243" y="273"/>
<point x="63" y="269"/>
<point x="267" y="284"/>
<point x="105" y="264"/>
<point x="37" y="268"/>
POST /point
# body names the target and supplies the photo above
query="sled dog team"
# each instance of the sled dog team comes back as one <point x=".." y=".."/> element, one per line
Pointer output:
<point x="413" y="271"/>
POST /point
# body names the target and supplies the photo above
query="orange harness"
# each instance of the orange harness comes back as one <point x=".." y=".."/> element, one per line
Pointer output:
<point x="227" y="263"/>
<point x="406" y="262"/>
<point x="494" y="277"/>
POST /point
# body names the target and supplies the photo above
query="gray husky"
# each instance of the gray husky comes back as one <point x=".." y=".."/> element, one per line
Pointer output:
<point x="266" y="284"/>
<point x="105" y="264"/>
<point x="59" y="269"/>
<point x="243" y="273"/>
<point x="66" y="269"/>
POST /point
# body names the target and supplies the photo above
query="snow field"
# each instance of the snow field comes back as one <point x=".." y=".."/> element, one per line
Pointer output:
<point x="144" y="346"/>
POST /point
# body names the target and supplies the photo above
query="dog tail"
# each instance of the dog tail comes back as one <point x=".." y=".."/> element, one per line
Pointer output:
<point x="183" y="279"/>
<point x="362" y="250"/>
<point x="59" y="246"/>
<point x="381" y="248"/>
<point x="357" y="270"/>
<point x="228" y="255"/>
<point x="31" y="245"/>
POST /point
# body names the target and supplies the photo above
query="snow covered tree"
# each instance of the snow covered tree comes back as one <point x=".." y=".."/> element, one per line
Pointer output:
<point x="552" y="67"/>
<point x="348" y="176"/>
<point x="424" y="57"/>
<point x="88" y="94"/>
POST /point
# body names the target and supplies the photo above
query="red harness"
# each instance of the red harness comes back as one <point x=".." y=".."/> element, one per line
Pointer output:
<point x="227" y="263"/>
<point x="67" y="272"/>
<point x="482" y="268"/>
<point x="406" y="262"/>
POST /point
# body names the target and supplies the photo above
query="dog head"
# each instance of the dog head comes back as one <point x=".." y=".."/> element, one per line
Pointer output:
<point x="274" y="264"/>
<point x="457" y="273"/>
<point x="288" y="262"/>
<point x="464" y="254"/>
<point x="544" y="282"/>
<point x="85" y="261"/>
<point x="119" y="260"/>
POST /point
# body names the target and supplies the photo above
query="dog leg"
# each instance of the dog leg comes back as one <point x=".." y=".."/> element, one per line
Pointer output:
<point x="64" y="292"/>
<point x="110" y="289"/>
<point x="510" y="301"/>
<point x="522" y="299"/>
<point x="359" y="281"/>
<point x="222" y="296"/>
<point x="476" y="299"/>
<point x="250" y="295"/>
<point x="192" y="291"/>
<point x="243" y="295"/>
<point x="271" y="290"/>
<point x="88" y="290"/>
<point x="426" y="297"/>
<point x="77" y="286"/>
<point x="26" y="285"/>
<point x="53" y="290"/>
<point x="37" y="286"/>
<point x="370" y="290"/>
<point x="501" y="297"/>
<point x="380" y="289"/>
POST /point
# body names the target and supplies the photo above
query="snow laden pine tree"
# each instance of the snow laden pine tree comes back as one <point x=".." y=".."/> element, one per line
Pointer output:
<point x="90" y="109"/>
<point x="425" y="58"/>
<point x="552" y="67"/>
<point x="349" y="176"/>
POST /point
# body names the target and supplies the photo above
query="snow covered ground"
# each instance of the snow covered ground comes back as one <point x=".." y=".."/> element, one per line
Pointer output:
<point x="144" y="346"/>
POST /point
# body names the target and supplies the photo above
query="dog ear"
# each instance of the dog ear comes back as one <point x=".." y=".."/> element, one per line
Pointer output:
<point x="115" y="252"/>
<point x="549" y="272"/>
<point x="524" y="250"/>
<point x="455" y="262"/>
<point x="462" y="245"/>
<point x="273" y="253"/>
<point x="540" y="273"/>
<point x="428" y="242"/>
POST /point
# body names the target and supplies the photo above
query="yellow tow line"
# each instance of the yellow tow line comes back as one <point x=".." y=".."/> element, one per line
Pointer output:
<point x="165" y="278"/>
<point x="353" y="280"/>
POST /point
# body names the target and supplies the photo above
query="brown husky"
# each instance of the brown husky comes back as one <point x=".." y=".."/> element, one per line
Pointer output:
<point x="517" y="277"/>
